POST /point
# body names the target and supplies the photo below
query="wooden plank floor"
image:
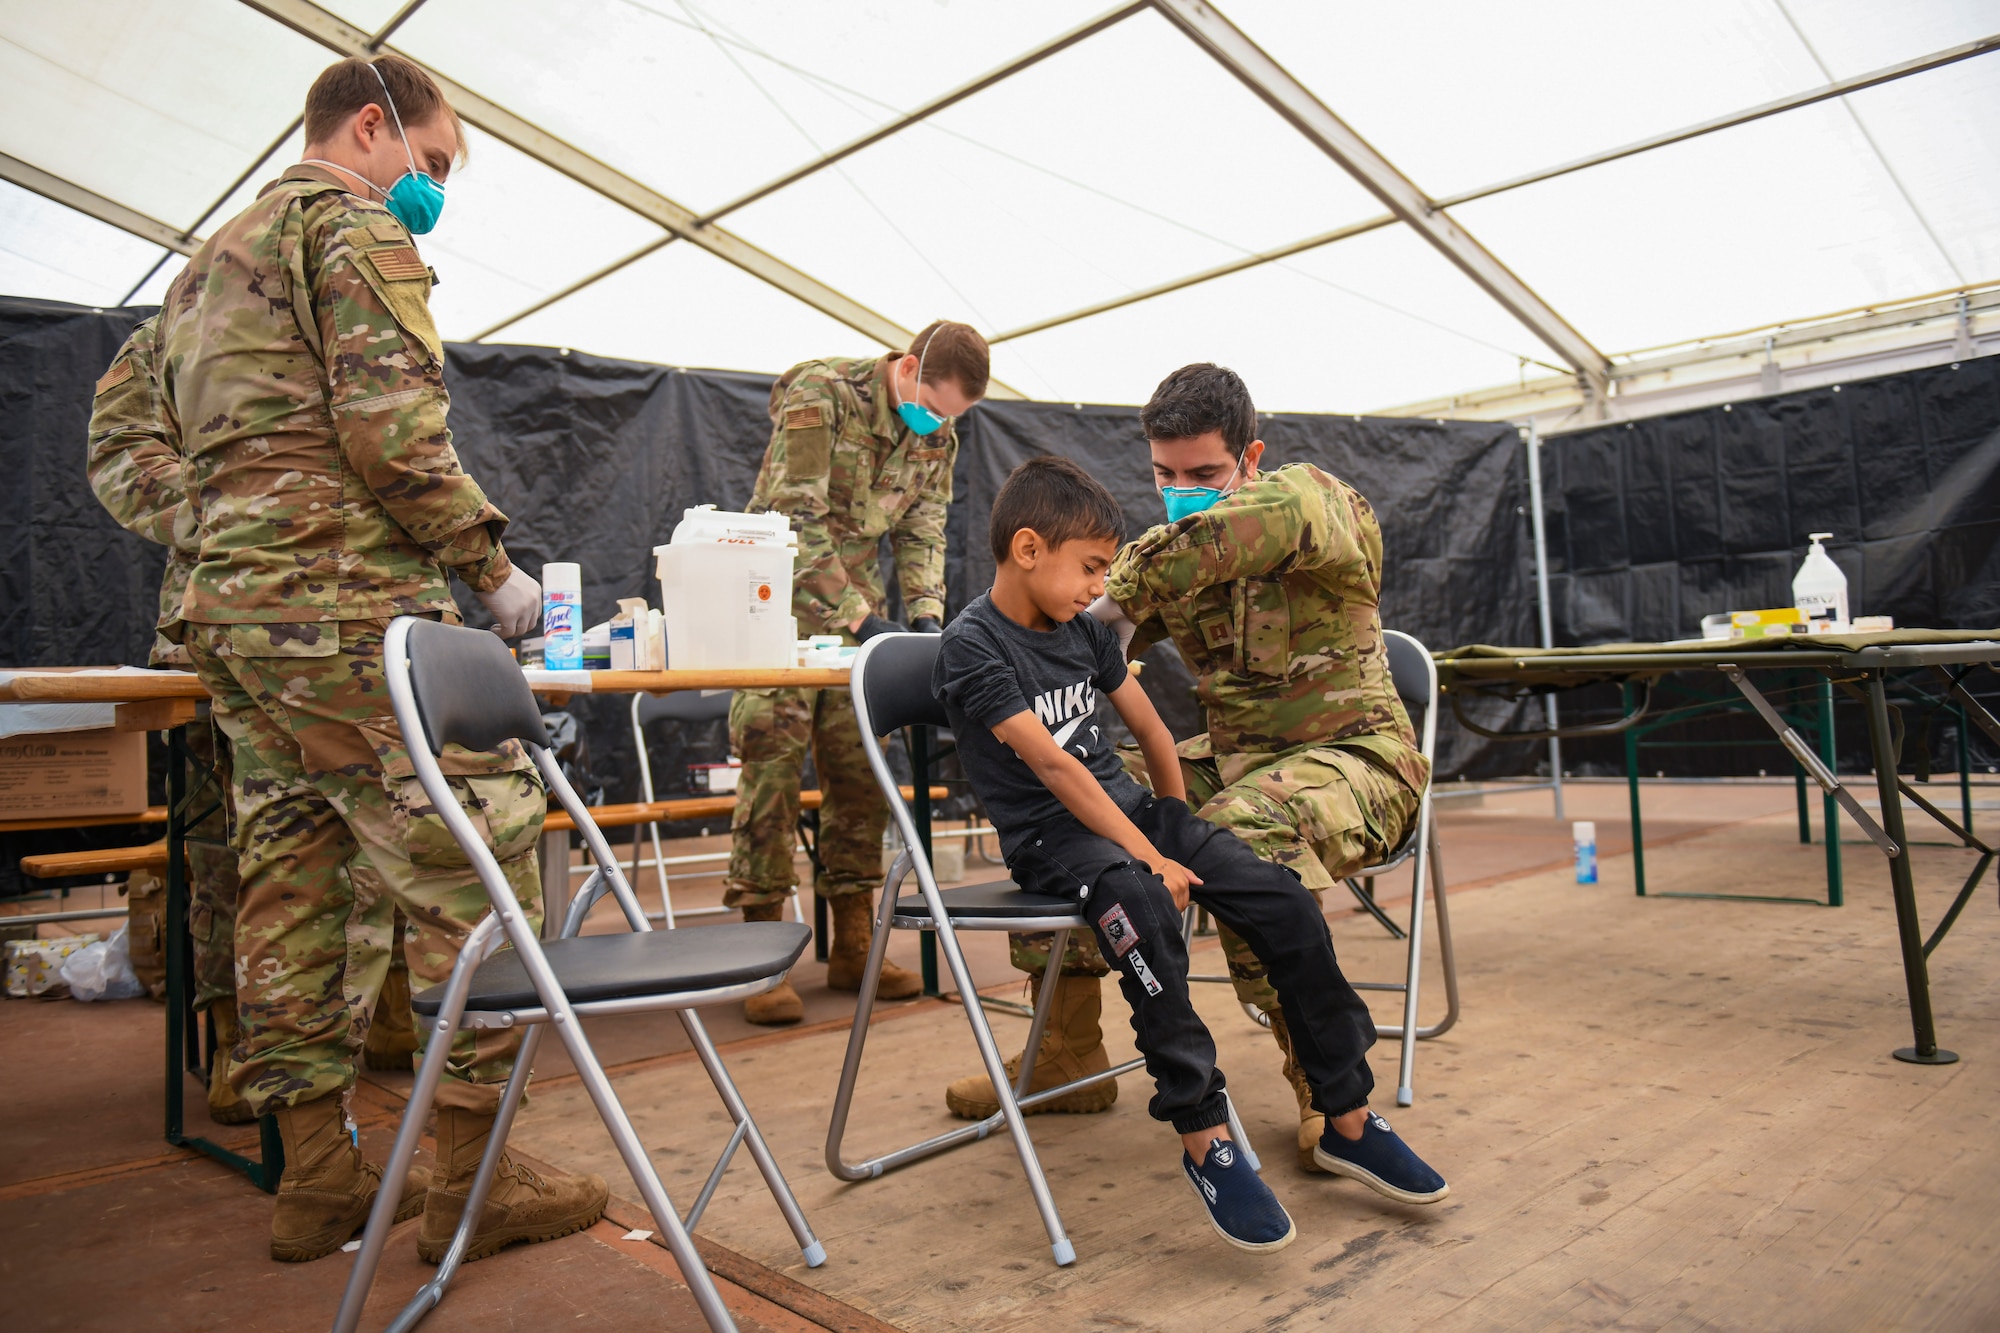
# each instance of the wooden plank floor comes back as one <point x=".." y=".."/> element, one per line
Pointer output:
<point x="1655" y="1114"/>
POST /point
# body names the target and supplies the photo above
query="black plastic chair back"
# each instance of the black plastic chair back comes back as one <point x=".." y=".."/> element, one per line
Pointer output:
<point x="897" y="683"/>
<point x="1410" y="672"/>
<point x="469" y="690"/>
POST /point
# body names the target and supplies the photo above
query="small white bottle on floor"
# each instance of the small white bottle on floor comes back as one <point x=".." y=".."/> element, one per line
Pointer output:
<point x="1584" y="833"/>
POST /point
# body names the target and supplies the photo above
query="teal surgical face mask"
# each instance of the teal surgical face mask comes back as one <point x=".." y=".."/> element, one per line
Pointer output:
<point x="920" y="419"/>
<point x="415" y="198"/>
<point x="1184" y="501"/>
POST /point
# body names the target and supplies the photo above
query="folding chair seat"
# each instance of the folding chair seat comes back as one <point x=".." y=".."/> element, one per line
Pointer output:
<point x="454" y="685"/>
<point x="1414" y="676"/>
<point x="892" y="690"/>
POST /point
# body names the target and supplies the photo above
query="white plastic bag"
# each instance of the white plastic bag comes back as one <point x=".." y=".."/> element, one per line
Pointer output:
<point x="103" y="971"/>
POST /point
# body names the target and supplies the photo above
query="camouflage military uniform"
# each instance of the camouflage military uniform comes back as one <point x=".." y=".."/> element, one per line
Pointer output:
<point x="847" y="472"/>
<point x="1271" y="597"/>
<point x="298" y="351"/>
<point x="134" y="467"/>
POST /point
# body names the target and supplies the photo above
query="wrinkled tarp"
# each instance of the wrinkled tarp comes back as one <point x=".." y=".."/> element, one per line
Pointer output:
<point x="1654" y="524"/>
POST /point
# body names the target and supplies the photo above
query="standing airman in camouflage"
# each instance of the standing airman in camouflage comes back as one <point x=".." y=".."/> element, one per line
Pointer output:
<point x="860" y="450"/>
<point x="298" y="353"/>
<point x="1268" y="584"/>
<point x="134" y="466"/>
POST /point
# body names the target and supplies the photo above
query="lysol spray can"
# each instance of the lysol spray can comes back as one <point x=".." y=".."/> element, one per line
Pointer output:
<point x="562" y="617"/>
<point x="1584" y="832"/>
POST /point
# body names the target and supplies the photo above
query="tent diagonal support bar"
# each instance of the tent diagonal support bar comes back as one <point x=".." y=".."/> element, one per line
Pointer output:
<point x="90" y="203"/>
<point x="1253" y="66"/>
<point x="310" y="21"/>
<point x="1874" y="78"/>
<point x="1033" y="56"/>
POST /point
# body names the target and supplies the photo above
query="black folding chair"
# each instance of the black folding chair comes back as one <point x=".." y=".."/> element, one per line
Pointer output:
<point x="892" y="690"/>
<point x="1414" y="675"/>
<point x="451" y="685"/>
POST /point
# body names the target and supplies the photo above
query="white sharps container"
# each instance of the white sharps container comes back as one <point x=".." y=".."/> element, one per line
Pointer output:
<point x="726" y="590"/>
<point x="1819" y="590"/>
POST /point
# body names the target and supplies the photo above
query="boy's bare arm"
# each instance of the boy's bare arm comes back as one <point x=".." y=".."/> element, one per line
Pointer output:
<point x="1163" y="765"/>
<point x="1082" y="796"/>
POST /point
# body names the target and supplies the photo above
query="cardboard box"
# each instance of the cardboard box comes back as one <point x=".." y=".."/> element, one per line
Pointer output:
<point x="1774" y="623"/>
<point x="62" y="774"/>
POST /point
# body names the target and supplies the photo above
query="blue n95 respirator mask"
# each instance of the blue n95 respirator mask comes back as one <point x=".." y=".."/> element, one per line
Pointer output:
<point x="1186" y="501"/>
<point x="920" y="419"/>
<point x="415" y="199"/>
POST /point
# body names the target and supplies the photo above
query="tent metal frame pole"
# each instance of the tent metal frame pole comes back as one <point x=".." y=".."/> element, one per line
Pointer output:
<point x="92" y="204"/>
<point x="1255" y="68"/>
<point x="1874" y="78"/>
<point x="1532" y="435"/>
<point x="336" y="34"/>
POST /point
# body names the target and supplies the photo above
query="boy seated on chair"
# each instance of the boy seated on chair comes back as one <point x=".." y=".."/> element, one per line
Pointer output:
<point x="1020" y="672"/>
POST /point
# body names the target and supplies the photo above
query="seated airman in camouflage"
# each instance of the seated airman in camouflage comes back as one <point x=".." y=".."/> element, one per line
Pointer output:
<point x="860" y="449"/>
<point x="297" y="351"/>
<point x="1268" y="584"/>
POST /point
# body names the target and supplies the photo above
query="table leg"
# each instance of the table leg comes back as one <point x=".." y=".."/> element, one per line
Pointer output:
<point x="1836" y="892"/>
<point x="1902" y="881"/>
<point x="1632" y="782"/>
<point x="183" y="1053"/>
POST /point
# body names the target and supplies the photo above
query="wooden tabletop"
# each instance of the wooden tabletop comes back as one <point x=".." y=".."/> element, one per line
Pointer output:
<point x="87" y="685"/>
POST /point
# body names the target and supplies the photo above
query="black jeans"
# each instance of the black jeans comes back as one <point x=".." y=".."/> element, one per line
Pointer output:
<point x="1139" y="931"/>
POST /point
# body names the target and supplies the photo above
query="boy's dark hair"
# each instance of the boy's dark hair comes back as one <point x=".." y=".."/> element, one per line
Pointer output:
<point x="344" y="88"/>
<point x="1057" y="499"/>
<point x="955" y="352"/>
<point x="1197" y="399"/>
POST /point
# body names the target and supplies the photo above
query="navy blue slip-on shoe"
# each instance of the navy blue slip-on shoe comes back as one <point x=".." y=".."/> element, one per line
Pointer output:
<point x="1240" y="1206"/>
<point x="1381" y="1161"/>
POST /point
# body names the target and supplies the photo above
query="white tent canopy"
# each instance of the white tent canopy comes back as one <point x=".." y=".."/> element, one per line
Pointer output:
<point x="1129" y="159"/>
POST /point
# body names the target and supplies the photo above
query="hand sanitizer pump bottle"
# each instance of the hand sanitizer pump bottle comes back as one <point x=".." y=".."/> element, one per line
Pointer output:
<point x="1819" y="590"/>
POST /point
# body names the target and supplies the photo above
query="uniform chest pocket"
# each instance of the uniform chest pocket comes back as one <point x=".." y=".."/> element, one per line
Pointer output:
<point x="1263" y="627"/>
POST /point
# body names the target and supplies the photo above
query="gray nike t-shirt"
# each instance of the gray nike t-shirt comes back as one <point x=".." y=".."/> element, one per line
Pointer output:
<point x="989" y="669"/>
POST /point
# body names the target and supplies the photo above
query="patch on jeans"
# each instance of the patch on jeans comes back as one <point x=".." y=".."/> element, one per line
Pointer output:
<point x="1145" y="974"/>
<point x="1118" y="928"/>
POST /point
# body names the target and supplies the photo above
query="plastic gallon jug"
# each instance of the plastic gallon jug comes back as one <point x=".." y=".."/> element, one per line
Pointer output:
<point x="1819" y="590"/>
<point x="562" y="617"/>
<point x="726" y="590"/>
<point x="1584" y="834"/>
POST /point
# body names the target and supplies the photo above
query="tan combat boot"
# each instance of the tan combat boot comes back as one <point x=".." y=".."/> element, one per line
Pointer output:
<point x="781" y="1005"/>
<point x="224" y="1106"/>
<point x="853" y="931"/>
<point x="327" y="1189"/>
<point x="1311" y="1123"/>
<point x="392" y="1034"/>
<point x="1072" y="1046"/>
<point x="522" y="1205"/>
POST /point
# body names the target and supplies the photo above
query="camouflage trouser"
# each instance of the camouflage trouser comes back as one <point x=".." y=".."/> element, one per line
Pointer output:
<point x="1320" y="812"/>
<point x="770" y="730"/>
<point x="212" y="878"/>
<point x="333" y="834"/>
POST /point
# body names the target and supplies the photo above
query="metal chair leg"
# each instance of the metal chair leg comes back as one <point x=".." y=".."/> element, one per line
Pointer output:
<point x="774" y="1179"/>
<point x="1031" y="1054"/>
<point x="1405" y="1090"/>
<point x="382" y="1217"/>
<point x="996" y="1070"/>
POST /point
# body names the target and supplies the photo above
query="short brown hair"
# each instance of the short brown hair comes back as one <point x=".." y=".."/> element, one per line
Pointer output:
<point x="1056" y="498"/>
<point x="344" y="88"/>
<point x="1197" y="399"/>
<point x="954" y="352"/>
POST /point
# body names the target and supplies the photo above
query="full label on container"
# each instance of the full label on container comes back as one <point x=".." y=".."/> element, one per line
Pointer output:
<point x="763" y="597"/>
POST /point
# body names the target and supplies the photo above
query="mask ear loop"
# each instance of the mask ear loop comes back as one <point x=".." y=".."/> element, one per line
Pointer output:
<point x="920" y="366"/>
<point x="400" y="132"/>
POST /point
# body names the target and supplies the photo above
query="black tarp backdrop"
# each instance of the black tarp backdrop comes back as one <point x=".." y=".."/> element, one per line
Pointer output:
<point x="1654" y="524"/>
<point x="594" y="460"/>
